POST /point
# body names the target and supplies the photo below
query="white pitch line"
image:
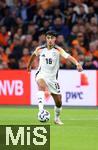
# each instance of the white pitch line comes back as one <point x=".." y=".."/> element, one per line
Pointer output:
<point x="80" y="118"/>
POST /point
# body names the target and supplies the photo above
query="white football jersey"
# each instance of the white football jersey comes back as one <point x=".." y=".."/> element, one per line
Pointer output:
<point x="49" y="60"/>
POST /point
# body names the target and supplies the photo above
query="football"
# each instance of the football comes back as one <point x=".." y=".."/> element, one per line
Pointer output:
<point x="43" y="116"/>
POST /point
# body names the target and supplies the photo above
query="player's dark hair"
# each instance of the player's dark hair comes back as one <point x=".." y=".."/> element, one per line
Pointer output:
<point x="51" y="33"/>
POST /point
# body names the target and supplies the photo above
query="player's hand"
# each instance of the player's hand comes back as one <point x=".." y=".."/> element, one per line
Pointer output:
<point x="29" y="69"/>
<point x="79" y="67"/>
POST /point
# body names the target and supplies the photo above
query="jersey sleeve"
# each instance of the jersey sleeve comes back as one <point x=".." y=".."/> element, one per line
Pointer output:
<point x="64" y="54"/>
<point x="37" y="51"/>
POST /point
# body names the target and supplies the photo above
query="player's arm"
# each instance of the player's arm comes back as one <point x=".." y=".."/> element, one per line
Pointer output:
<point x="72" y="59"/>
<point x="30" y="62"/>
<point x="34" y="54"/>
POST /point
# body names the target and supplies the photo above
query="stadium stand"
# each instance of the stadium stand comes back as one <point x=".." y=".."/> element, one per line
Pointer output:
<point x="24" y="22"/>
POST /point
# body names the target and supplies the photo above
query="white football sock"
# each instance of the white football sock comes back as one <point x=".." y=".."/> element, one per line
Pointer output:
<point x="57" y="111"/>
<point x="40" y="96"/>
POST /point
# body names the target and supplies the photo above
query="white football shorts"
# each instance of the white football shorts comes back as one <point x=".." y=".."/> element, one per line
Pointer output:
<point x="53" y="85"/>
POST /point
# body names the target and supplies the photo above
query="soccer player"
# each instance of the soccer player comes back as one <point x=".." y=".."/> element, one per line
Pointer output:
<point x="47" y="73"/>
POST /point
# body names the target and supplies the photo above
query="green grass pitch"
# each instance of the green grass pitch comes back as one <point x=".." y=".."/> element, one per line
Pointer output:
<point x="79" y="132"/>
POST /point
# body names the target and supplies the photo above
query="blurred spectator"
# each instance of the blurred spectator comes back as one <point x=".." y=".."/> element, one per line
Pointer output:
<point x="17" y="49"/>
<point x="58" y="13"/>
<point x="19" y="32"/>
<point x="95" y="5"/>
<point x="8" y="19"/>
<point x="79" y="4"/>
<point x="42" y="39"/>
<point x="88" y="64"/>
<point x="33" y="2"/>
<point x="73" y="35"/>
<point x="60" y="27"/>
<point x="79" y="44"/>
<point x="44" y="4"/>
<point x="93" y="29"/>
<point x="94" y="50"/>
<point x="26" y="11"/>
<point x="12" y="64"/>
<point x="24" y="59"/>
<point x="81" y="58"/>
<point x="9" y="2"/>
<point x="91" y="13"/>
<point x="32" y="30"/>
<point x="61" y="41"/>
<point x="4" y="36"/>
<point x="4" y="57"/>
<point x="19" y="22"/>
<point x="39" y="17"/>
<point x="70" y="16"/>
<point x="46" y="26"/>
<point x="34" y="45"/>
<point x="28" y="41"/>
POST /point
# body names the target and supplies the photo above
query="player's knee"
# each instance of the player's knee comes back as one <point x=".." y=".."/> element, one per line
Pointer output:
<point x="59" y="103"/>
<point x="41" y="86"/>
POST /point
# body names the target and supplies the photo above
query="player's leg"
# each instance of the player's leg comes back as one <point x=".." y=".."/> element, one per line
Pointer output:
<point x="41" y="92"/>
<point x="58" y="107"/>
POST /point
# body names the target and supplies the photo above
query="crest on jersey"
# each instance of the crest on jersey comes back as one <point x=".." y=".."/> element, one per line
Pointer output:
<point x="54" y="55"/>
